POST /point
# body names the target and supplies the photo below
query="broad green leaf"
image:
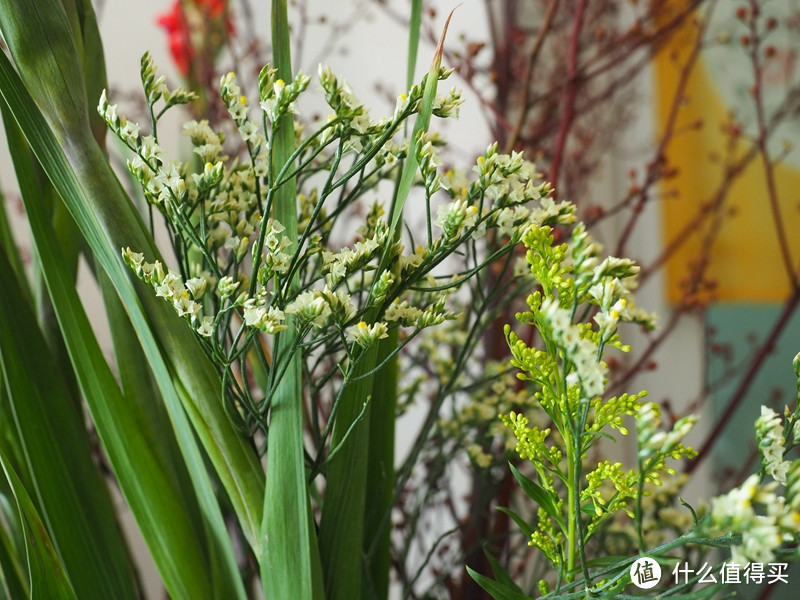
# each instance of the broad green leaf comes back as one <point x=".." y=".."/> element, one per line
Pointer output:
<point x="7" y="241"/>
<point x="108" y="222"/>
<point x="71" y="495"/>
<point x="33" y="184"/>
<point x="380" y="472"/>
<point x="147" y="486"/>
<point x="380" y="454"/>
<point x="341" y="534"/>
<point x="286" y="521"/>
<point x="47" y="578"/>
<point x="496" y="590"/>
<point x="13" y="582"/>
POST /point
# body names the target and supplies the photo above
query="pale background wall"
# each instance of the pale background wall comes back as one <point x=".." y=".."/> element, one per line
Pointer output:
<point x="376" y="46"/>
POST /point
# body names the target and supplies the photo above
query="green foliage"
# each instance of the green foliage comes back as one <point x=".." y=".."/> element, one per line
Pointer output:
<point x="582" y="506"/>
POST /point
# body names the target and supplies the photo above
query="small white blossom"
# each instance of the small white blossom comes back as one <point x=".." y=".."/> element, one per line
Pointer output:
<point x="769" y="433"/>
<point x="206" y="327"/>
<point x="403" y="313"/>
<point x="365" y="335"/>
<point x="226" y="286"/>
<point x="310" y="307"/>
<point x="269" y="320"/>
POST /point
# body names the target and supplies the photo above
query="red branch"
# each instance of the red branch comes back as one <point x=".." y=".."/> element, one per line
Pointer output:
<point x="572" y="90"/>
<point x="761" y="142"/>
<point x="761" y="355"/>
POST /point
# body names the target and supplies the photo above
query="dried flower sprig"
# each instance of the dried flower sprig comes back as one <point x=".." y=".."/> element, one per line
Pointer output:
<point x="228" y="242"/>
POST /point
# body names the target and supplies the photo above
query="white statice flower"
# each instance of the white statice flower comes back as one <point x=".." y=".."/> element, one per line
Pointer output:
<point x="238" y="245"/>
<point x="680" y="430"/>
<point x="185" y="306"/>
<point x="169" y="175"/>
<point x="151" y="152"/>
<point x="737" y="505"/>
<point x="551" y="213"/>
<point x="613" y="266"/>
<point x="759" y="542"/>
<point x="337" y="268"/>
<point x="608" y="291"/>
<point x="769" y="434"/>
<point x="365" y="335"/>
<point x="249" y="132"/>
<point x="409" y="262"/>
<point x="510" y="219"/>
<point x="129" y="132"/>
<point x="261" y="166"/>
<point x="197" y="287"/>
<point x="339" y="264"/>
<point x="227" y="286"/>
<point x="342" y="308"/>
<point x="455" y="216"/>
<point x="206" y="327"/>
<point x="648" y="421"/>
<point x="382" y="286"/>
<point x="239" y="109"/>
<point x="229" y="88"/>
<point x="201" y="134"/>
<point x="435" y="314"/>
<point x="133" y="259"/>
<point x="558" y="318"/>
<point x="107" y="111"/>
<point x="447" y="106"/>
<point x="269" y="320"/>
<point x="279" y="98"/>
<point x="164" y="291"/>
<point x="170" y="286"/>
<point x="403" y="313"/>
<point x="310" y="307"/>
<point x="402" y="104"/>
<point x="361" y="123"/>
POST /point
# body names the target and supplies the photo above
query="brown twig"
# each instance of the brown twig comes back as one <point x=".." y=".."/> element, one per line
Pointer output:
<point x="527" y="74"/>
<point x="572" y="90"/>
<point x="761" y="355"/>
<point x="669" y="130"/>
<point x="761" y="143"/>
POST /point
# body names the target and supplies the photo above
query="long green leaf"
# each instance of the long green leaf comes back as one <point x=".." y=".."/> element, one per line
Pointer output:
<point x="179" y="561"/>
<point x="421" y="124"/>
<point x="342" y="521"/>
<point x="414" y="28"/>
<point x="7" y="241"/>
<point x="71" y="495"/>
<point x="14" y="583"/>
<point x="382" y="422"/>
<point x="146" y="485"/>
<point x="500" y="574"/>
<point x="380" y="472"/>
<point x="82" y="175"/>
<point x="286" y="523"/>
<point x="46" y="573"/>
<point x="496" y="590"/>
<point x="537" y="493"/>
<point x="33" y="183"/>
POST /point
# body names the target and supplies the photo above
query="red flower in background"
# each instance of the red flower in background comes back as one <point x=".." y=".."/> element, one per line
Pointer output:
<point x="197" y="30"/>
